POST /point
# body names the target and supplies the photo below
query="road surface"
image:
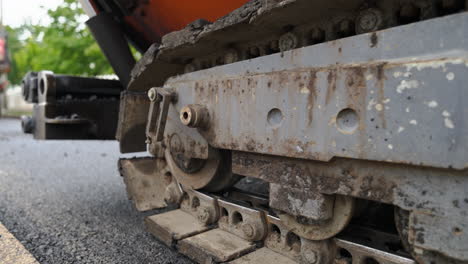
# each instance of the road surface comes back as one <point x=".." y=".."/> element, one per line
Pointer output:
<point x="66" y="203"/>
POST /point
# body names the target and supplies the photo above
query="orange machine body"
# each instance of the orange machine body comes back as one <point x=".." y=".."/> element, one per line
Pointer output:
<point x="155" y="18"/>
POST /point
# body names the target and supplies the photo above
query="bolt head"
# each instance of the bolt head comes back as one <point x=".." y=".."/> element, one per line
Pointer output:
<point x="187" y="115"/>
<point x="345" y="27"/>
<point x="175" y="144"/>
<point x="169" y="199"/>
<point x="190" y="68"/>
<point x="274" y="45"/>
<point x="249" y="230"/>
<point x="231" y="56"/>
<point x="152" y="94"/>
<point x="311" y="257"/>
<point x="254" y="51"/>
<point x="288" y="41"/>
<point x="317" y="35"/>
<point x="194" y="116"/>
<point x="369" y="20"/>
<point x="204" y="215"/>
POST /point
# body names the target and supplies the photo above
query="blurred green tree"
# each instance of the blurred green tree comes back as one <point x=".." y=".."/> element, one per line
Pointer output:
<point x="14" y="46"/>
<point x="64" y="46"/>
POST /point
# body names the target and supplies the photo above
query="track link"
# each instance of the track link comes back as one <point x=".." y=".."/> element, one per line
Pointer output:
<point x="236" y="226"/>
<point x="247" y="235"/>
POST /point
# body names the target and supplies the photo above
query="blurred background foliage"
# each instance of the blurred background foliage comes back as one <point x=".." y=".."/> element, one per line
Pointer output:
<point x="65" y="46"/>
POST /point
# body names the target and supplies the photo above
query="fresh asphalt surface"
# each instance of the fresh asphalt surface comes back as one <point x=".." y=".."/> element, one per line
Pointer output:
<point x="66" y="203"/>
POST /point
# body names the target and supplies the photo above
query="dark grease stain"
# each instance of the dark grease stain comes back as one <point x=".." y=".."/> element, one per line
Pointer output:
<point x="374" y="39"/>
<point x="331" y="85"/>
<point x="312" y="95"/>
<point x="381" y="96"/>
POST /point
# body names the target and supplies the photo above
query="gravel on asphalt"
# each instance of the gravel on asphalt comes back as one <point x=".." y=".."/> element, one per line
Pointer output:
<point x="66" y="202"/>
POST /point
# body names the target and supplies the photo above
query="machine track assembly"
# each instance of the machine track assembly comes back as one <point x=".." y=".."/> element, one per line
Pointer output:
<point x="287" y="131"/>
<point x="218" y="228"/>
<point x="302" y="131"/>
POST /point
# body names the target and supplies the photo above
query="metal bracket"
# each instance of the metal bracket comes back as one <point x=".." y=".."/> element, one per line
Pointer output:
<point x="159" y="109"/>
<point x="201" y="206"/>
<point x="243" y="222"/>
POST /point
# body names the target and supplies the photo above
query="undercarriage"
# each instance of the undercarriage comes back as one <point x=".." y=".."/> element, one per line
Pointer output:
<point x="303" y="132"/>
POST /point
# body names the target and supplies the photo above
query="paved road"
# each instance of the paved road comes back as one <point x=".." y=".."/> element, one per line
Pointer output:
<point x="66" y="203"/>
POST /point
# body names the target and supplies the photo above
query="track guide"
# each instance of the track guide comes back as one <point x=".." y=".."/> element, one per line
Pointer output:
<point x="247" y="235"/>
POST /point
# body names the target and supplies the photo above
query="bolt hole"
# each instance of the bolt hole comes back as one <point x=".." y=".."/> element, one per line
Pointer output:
<point x="275" y="117"/>
<point x="293" y="242"/>
<point x="185" y="115"/>
<point x="186" y="199"/>
<point x="457" y="230"/>
<point x="275" y="229"/>
<point x="195" y="202"/>
<point x="168" y="177"/>
<point x="237" y="218"/>
<point x="275" y="233"/>
<point x="224" y="212"/>
<point x="370" y="260"/>
<point x="347" y="121"/>
<point x="343" y="253"/>
<point x="316" y="36"/>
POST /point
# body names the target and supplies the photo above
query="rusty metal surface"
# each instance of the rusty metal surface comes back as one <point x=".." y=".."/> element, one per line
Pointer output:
<point x="279" y="239"/>
<point x="173" y="226"/>
<point x="343" y="211"/>
<point x="201" y="206"/>
<point x="209" y="41"/>
<point x="214" y="246"/>
<point x="133" y="114"/>
<point x="344" y="98"/>
<point x="362" y="254"/>
<point x="182" y="230"/>
<point x="257" y="29"/>
<point x="446" y="235"/>
<point x="301" y="202"/>
<point x="283" y="240"/>
<point x="263" y="256"/>
<point x="183" y="139"/>
<point x="243" y="222"/>
<point x="361" y="117"/>
<point x="438" y="193"/>
<point x="149" y="183"/>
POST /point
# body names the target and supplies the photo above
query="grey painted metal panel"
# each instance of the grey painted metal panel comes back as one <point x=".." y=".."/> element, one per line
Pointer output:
<point x="403" y="88"/>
